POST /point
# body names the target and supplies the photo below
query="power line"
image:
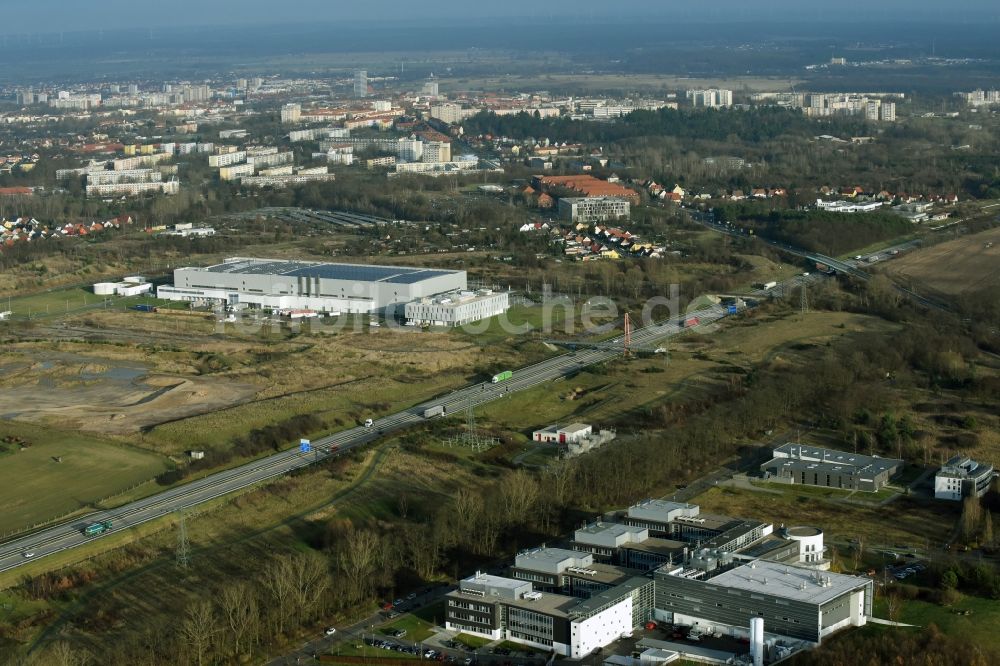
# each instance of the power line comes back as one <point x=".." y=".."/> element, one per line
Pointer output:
<point x="183" y="553"/>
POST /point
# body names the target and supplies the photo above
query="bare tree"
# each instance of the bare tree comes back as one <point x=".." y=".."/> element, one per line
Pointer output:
<point x="239" y="609"/>
<point x="198" y="628"/>
<point x="893" y="604"/>
<point x="972" y="512"/>
<point x="357" y="560"/>
<point x="468" y="510"/>
<point x="858" y="554"/>
<point x="424" y="547"/>
<point x="277" y="580"/>
<point x="403" y="504"/>
<point x="61" y="653"/>
<point x="311" y="580"/>
<point x="518" y="495"/>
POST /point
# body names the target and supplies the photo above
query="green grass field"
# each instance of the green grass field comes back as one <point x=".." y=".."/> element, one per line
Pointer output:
<point x="58" y="302"/>
<point x="979" y="627"/>
<point x="472" y="641"/>
<point x="417" y="628"/>
<point x="35" y="488"/>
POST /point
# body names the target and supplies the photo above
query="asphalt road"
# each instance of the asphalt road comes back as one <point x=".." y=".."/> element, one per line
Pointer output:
<point x="65" y="536"/>
<point x="853" y="267"/>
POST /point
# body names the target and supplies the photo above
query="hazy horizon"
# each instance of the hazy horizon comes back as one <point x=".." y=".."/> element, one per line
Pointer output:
<point x="45" y="16"/>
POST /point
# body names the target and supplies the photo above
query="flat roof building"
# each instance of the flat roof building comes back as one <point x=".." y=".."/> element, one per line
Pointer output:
<point x="562" y="434"/>
<point x="504" y="608"/>
<point x="594" y="209"/>
<point x="686" y="523"/>
<point x="794" y="602"/>
<point x="963" y="477"/>
<point x="323" y="287"/>
<point x="815" y="466"/>
<point x="457" y="307"/>
<point x="626" y="546"/>
<point x="570" y="572"/>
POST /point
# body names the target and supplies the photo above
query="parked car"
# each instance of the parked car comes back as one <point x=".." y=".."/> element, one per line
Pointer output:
<point x="330" y="631"/>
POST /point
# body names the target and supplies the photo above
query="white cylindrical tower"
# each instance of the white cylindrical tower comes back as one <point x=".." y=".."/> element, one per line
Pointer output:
<point x="810" y="543"/>
<point x="757" y="641"/>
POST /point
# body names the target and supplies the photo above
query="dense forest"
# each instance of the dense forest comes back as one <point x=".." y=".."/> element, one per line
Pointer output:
<point x="832" y="234"/>
<point x="754" y="125"/>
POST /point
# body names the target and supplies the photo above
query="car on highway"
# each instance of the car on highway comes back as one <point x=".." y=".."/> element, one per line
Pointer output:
<point x="330" y="631"/>
<point x="369" y="423"/>
<point x="29" y="553"/>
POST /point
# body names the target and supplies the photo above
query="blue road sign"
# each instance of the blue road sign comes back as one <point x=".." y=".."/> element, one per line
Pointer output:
<point x="305" y="446"/>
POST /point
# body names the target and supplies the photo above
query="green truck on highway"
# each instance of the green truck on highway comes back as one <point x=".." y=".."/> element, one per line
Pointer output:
<point x="95" y="529"/>
<point x="502" y="377"/>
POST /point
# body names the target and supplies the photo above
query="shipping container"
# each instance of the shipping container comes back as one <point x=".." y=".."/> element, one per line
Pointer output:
<point x="691" y="321"/>
<point x="731" y="309"/>
<point x="502" y="377"/>
<point x="144" y="308"/>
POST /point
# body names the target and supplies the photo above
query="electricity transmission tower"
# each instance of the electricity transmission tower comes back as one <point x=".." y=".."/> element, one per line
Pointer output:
<point x="183" y="553"/>
<point x="471" y="437"/>
<point x="628" y="335"/>
<point x="804" y="299"/>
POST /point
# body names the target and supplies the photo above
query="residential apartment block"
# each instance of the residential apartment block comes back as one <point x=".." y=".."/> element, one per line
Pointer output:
<point x="589" y="210"/>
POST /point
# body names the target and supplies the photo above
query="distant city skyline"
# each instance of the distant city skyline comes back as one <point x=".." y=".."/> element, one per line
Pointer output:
<point x="69" y="15"/>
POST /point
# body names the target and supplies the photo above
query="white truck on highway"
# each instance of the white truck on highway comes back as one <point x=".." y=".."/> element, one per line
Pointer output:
<point x="436" y="410"/>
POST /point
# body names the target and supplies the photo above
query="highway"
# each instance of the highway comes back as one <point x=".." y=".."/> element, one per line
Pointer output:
<point x="852" y="267"/>
<point x="68" y="535"/>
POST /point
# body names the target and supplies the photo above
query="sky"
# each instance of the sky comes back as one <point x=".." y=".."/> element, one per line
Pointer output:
<point x="46" y="16"/>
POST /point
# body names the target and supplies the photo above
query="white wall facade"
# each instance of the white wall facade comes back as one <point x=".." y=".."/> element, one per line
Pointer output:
<point x="600" y="629"/>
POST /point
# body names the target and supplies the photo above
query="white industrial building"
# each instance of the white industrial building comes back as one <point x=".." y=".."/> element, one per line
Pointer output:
<point x="129" y="286"/>
<point x="457" y="308"/>
<point x="306" y="285"/>
<point x="562" y="434"/>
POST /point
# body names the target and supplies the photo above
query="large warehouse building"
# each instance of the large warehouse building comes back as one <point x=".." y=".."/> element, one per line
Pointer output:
<point x="323" y="287"/>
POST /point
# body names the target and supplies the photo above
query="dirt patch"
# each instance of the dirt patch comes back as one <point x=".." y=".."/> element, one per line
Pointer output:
<point x="956" y="267"/>
<point x="111" y="398"/>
